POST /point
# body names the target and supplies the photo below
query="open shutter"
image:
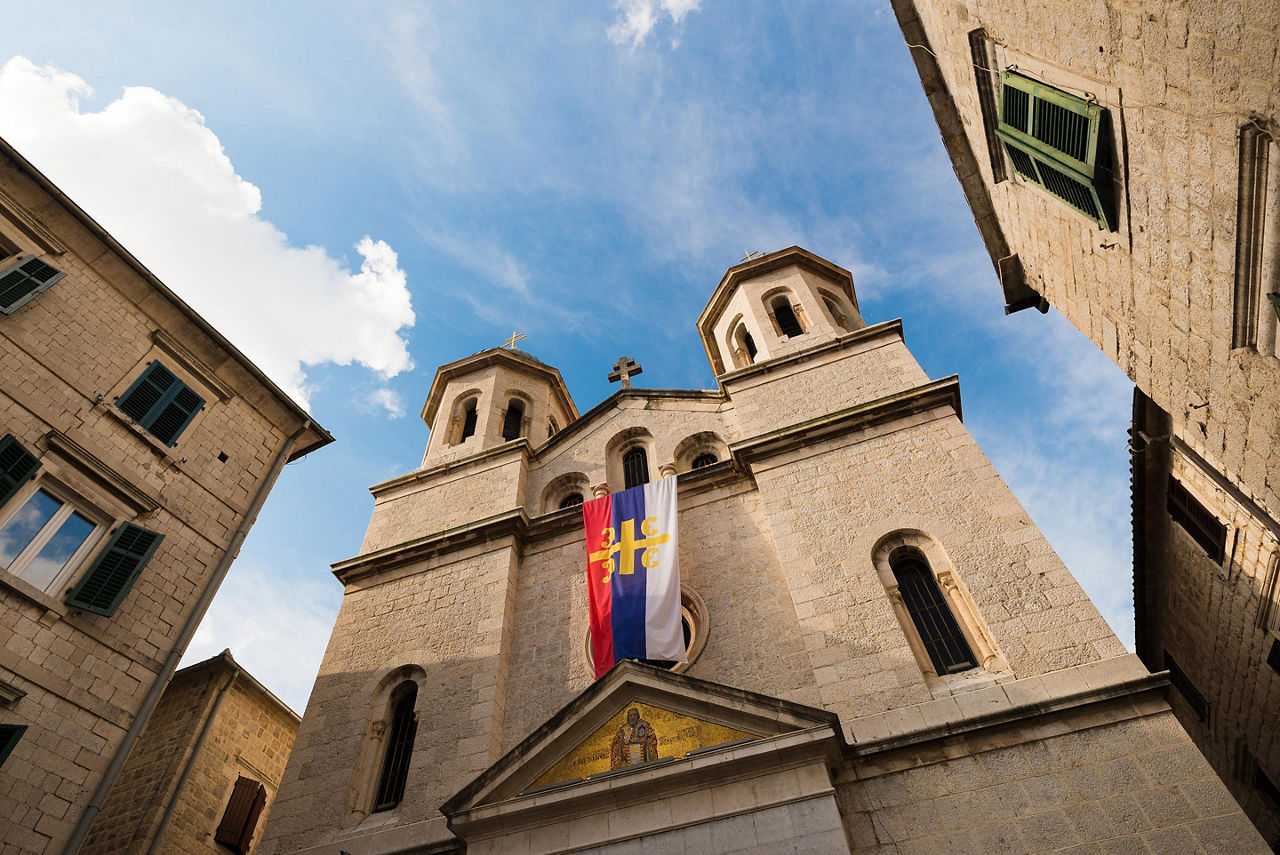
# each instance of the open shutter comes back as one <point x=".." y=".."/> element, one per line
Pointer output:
<point x="104" y="586"/>
<point x="248" y="798"/>
<point x="21" y="281"/>
<point x="17" y="466"/>
<point x="161" y="403"/>
<point x="9" y="736"/>
<point x="1057" y="141"/>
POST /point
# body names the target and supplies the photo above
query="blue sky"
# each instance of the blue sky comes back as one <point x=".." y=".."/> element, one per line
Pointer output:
<point x="358" y="194"/>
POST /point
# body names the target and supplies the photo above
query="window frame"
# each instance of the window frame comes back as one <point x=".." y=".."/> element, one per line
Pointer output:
<point x="72" y="502"/>
<point x="1192" y="516"/>
<point x="166" y="399"/>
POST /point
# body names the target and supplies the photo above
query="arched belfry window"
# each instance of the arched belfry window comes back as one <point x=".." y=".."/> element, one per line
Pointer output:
<point x="514" y="419"/>
<point x="468" y="420"/>
<point x="837" y="314"/>
<point x="786" y="317"/>
<point x="942" y="638"/>
<point x="635" y="467"/>
<point x="400" y="734"/>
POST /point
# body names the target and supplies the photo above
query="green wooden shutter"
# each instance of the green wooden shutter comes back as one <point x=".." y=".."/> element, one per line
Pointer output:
<point x="161" y="403"/>
<point x="17" y="466"/>
<point x="1058" y="142"/>
<point x="21" y="281"/>
<point x="104" y="585"/>
<point x="9" y="736"/>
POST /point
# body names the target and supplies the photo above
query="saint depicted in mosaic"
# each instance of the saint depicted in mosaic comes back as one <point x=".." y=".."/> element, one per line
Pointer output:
<point x="635" y="742"/>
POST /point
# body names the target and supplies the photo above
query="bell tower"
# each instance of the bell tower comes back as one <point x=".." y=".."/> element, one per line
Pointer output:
<point x="774" y="305"/>
<point x="491" y="398"/>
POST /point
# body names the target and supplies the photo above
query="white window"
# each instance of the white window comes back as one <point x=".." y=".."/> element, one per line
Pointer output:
<point x="44" y="536"/>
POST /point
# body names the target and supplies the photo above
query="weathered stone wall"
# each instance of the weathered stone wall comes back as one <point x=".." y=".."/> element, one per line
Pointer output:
<point x="67" y="355"/>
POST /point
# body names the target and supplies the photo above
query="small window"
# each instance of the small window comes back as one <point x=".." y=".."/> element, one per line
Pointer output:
<point x="704" y="459"/>
<point x="552" y="427"/>
<point x="248" y="798"/>
<point x="744" y="346"/>
<point x="160" y="403"/>
<point x="514" y="420"/>
<point x="837" y="316"/>
<point x="1256" y="322"/>
<point x="43" y="536"/>
<point x="1197" y="521"/>
<point x="635" y="467"/>
<point x="468" y="420"/>
<point x="400" y="736"/>
<point x="1060" y="143"/>
<point x="786" y="317"/>
<point x="104" y="586"/>
<point x="9" y="736"/>
<point x="570" y="501"/>
<point x="1187" y="689"/>
<point x="23" y="280"/>
<point x="1269" y="605"/>
<point x="942" y="638"/>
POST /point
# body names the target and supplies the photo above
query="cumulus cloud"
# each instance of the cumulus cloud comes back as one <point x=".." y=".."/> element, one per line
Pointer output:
<point x="389" y="400"/>
<point x="637" y="18"/>
<point x="148" y="168"/>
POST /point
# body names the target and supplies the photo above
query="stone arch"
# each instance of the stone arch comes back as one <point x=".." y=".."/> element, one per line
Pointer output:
<point x="516" y="400"/>
<point x="466" y="402"/>
<point x="742" y="347"/>
<point x="561" y="487"/>
<point x="696" y="445"/>
<point x="382" y="692"/>
<point x="836" y="310"/>
<point x="618" y="446"/>
<point x="916" y="543"/>
<point x="786" y="312"/>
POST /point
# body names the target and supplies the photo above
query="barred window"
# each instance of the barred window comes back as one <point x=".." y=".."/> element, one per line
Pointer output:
<point x="570" y="501"/>
<point x="1197" y="521"/>
<point x="400" y="735"/>
<point x="944" y="642"/>
<point x="704" y="459"/>
<point x="635" y="467"/>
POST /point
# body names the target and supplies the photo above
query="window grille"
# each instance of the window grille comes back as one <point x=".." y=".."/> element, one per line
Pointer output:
<point x="1059" y="142"/>
<point x="1197" y="521"/>
<point x="571" y="500"/>
<point x="705" y="459"/>
<point x="395" y="765"/>
<point x="946" y="645"/>
<point x="635" y="467"/>
<point x="1187" y="689"/>
<point x="514" y="420"/>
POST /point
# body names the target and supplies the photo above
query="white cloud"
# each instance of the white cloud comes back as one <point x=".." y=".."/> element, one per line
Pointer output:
<point x="637" y="18"/>
<point x="390" y="400"/>
<point x="277" y="627"/>
<point x="148" y="168"/>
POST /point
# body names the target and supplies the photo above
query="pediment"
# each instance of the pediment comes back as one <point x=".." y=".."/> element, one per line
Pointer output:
<point x="678" y="720"/>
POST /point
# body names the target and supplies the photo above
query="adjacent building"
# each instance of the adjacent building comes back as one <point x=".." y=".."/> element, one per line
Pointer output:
<point x="1122" y="166"/>
<point x="885" y="655"/>
<point x="203" y="774"/>
<point x="136" y="447"/>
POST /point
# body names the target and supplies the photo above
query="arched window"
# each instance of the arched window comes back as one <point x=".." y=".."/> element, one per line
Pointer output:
<point x="395" y="764"/>
<point x="571" y="500"/>
<point x="695" y="624"/>
<point x="833" y="309"/>
<point x="552" y="427"/>
<point x="514" y="420"/>
<point x="704" y="459"/>
<point x="468" y="420"/>
<point x="943" y="641"/>
<point x="635" y="467"/>
<point x="744" y="346"/>
<point x="786" y="317"/>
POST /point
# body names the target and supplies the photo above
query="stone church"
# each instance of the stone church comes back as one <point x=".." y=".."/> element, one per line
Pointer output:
<point x="885" y="654"/>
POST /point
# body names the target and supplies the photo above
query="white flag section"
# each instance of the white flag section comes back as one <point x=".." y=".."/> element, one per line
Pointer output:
<point x="664" y="636"/>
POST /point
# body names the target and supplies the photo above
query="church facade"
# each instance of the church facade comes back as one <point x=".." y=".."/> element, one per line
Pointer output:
<point x="885" y="654"/>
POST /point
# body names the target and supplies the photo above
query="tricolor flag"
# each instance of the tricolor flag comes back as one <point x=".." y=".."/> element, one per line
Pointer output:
<point x="633" y="575"/>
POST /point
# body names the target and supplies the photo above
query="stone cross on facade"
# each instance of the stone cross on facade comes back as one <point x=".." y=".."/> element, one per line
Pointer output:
<point x="623" y="369"/>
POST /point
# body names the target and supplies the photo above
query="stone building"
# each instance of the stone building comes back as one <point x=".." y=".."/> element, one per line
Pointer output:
<point x="885" y="655"/>
<point x="203" y="774"/>
<point x="136" y="447"/>
<point x="1122" y="165"/>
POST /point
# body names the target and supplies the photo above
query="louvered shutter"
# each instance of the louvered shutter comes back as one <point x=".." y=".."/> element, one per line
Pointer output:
<point x="1057" y="141"/>
<point x="104" y="585"/>
<point x="21" y="281"/>
<point x="17" y="466"/>
<point x="9" y="736"/>
<point x="161" y="403"/>
<point x="248" y="798"/>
